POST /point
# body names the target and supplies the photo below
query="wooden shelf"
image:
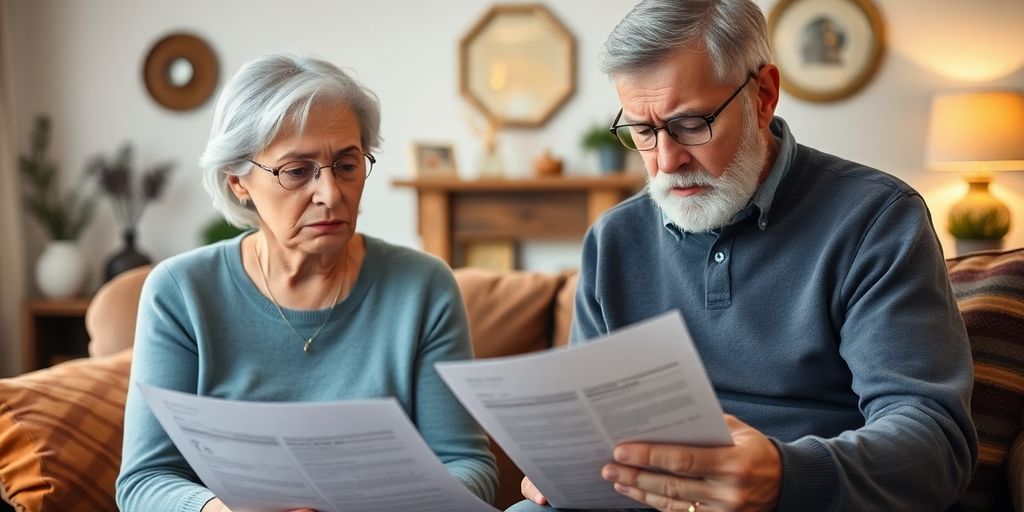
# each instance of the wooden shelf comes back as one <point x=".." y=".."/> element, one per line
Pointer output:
<point x="613" y="181"/>
<point x="53" y="331"/>
<point x="453" y="212"/>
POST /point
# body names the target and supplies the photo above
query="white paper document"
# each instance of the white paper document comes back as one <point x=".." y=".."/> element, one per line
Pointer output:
<point x="559" y="413"/>
<point x="362" y="456"/>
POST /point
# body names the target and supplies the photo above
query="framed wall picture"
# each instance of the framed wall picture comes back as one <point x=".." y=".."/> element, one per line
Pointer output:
<point x="826" y="50"/>
<point x="493" y="255"/>
<point x="433" y="159"/>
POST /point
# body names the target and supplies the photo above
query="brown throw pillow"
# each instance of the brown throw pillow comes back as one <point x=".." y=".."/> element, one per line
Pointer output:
<point x="60" y="429"/>
<point x="564" y="303"/>
<point x="990" y="293"/>
<point x="509" y="313"/>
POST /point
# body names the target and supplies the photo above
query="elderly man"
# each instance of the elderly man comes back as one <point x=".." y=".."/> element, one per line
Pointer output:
<point x="814" y="288"/>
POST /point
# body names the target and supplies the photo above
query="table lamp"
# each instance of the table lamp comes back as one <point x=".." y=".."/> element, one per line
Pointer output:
<point x="977" y="134"/>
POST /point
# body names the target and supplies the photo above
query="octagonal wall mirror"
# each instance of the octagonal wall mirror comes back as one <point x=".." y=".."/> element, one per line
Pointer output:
<point x="518" y="65"/>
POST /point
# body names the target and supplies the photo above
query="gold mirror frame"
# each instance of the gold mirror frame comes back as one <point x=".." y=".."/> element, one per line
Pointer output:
<point x="826" y="50"/>
<point x="517" y="65"/>
<point x="176" y="50"/>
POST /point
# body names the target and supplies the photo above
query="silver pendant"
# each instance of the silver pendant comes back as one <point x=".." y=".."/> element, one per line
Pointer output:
<point x="309" y="342"/>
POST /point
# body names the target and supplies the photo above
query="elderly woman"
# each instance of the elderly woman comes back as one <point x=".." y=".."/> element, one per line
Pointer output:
<point x="304" y="308"/>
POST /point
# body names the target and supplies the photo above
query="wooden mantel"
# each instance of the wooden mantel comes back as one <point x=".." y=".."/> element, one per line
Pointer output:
<point x="454" y="212"/>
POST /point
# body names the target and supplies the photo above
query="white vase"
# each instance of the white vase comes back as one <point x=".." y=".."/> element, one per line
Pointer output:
<point x="60" y="271"/>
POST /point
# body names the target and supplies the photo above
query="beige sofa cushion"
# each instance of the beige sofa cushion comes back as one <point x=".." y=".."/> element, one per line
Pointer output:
<point x="110" y="319"/>
<point x="60" y="429"/>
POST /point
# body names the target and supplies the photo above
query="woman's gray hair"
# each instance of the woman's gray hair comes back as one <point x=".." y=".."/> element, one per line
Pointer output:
<point x="265" y="95"/>
<point x="732" y="32"/>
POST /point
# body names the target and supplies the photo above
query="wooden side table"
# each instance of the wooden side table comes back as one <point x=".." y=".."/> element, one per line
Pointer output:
<point x="454" y="213"/>
<point x="53" y="331"/>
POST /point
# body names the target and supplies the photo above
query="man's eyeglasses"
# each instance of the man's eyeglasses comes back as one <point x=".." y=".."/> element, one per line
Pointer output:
<point x="350" y="167"/>
<point x="686" y="130"/>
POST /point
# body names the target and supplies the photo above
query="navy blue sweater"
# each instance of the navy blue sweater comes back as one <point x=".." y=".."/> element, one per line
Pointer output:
<point x="825" y="318"/>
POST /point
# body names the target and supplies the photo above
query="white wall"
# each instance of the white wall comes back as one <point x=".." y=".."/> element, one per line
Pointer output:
<point x="80" y="61"/>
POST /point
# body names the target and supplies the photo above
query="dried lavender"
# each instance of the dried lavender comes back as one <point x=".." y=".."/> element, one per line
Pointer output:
<point x="117" y="181"/>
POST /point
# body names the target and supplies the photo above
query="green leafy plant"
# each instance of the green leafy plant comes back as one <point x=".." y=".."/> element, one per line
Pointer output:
<point x="610" y="152"/>
<point x="62" y="215"/>
<point x="598" y="137"/>
<point x="219" y="229"/>
<point x="989" y="224"/>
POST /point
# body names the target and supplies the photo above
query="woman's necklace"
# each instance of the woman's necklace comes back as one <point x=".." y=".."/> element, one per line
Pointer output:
<point x="307" y="342"/>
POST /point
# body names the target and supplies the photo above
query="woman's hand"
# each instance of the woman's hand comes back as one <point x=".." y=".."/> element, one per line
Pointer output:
<point x="216" y="505"/>
<point x="531" y="492"/>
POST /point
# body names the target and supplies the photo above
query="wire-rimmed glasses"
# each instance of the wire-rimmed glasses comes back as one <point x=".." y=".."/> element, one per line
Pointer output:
<point x="686" y="130"/>
<point x="350" y="167"/>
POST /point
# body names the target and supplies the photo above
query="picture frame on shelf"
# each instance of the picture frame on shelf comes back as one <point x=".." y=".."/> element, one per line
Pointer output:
<point x="434" y="159"/>
<point x="498" y="255"/>
<point x="826" y="50"/>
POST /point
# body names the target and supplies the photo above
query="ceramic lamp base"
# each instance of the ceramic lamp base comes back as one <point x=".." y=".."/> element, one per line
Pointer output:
<point x="979" y="215"/>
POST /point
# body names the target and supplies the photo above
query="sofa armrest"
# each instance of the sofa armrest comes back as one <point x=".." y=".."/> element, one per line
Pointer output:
<point x="1015" y="472"/>
<point x="61" y="431"/>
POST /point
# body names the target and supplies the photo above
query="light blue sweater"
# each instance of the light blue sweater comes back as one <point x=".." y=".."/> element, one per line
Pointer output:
<point x="205" y="328"/>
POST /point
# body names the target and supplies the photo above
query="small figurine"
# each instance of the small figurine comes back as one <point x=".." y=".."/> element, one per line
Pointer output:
<point x="547" y="165"/>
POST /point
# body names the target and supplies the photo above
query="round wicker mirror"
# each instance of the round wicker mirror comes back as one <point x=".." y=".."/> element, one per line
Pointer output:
<point x="180" y="71"/>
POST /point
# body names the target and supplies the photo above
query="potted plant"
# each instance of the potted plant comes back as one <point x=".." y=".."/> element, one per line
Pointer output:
<point x="60" y="270"/>
<point x="978" y="225"/>
<point x="610" y="152"/>
<point x="128" y="197"/>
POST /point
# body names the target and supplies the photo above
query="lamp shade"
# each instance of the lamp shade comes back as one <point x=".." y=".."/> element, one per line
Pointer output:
<point x="977" y="132"/>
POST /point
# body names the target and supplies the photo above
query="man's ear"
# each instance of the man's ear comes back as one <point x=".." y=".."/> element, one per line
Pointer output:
<point x="238" y="188"/>
<point x="767" y="94"/>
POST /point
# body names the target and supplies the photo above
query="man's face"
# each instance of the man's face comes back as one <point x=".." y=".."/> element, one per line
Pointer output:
<point x="699" y="188"/>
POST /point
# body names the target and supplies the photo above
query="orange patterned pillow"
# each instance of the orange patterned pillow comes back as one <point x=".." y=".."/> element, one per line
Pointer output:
<point x="60" y="430"/>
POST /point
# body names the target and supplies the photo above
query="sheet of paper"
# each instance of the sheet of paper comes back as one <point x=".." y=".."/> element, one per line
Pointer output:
<point x="559" y="413"/>
<point x="362" y="456"/>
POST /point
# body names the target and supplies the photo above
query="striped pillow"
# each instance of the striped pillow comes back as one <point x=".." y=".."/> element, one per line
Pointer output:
<point x="60" y="429"/>
<point x="989" y="289"/>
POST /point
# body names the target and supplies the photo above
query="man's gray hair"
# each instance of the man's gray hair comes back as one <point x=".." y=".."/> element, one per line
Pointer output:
<point x="732" y="32"/>
<point x="265" y="95"/>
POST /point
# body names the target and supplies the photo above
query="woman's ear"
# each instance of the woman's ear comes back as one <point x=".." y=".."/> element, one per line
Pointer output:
<point x="238" y="188"/>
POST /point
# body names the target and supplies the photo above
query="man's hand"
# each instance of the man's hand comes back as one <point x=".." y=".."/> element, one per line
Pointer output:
<point x="532" y="493"/>
<point x="215" y="505"/>
<point x="746" y="476"/>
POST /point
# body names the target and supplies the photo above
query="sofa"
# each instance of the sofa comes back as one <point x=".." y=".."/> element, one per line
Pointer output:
<point x="60" y="428"/>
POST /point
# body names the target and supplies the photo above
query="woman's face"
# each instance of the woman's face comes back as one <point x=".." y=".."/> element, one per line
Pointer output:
<point x="319" y="217"/>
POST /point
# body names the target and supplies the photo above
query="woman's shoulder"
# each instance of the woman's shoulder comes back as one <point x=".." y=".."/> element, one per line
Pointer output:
<point x="400" y="262"/>
<point x="391" y="254"/>
<point x="202" y="262"/>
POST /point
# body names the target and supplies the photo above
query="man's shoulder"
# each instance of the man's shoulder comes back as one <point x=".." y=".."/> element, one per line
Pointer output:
<point x="638" y="210"/>
<point x="817" y="165"/>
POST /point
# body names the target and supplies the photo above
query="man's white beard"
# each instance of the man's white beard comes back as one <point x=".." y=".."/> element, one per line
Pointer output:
<point x="724" y="197"/>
